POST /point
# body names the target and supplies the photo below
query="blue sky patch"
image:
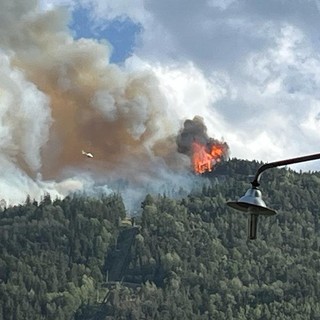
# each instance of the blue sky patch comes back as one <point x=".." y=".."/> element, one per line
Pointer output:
<point x="121" y="33"/>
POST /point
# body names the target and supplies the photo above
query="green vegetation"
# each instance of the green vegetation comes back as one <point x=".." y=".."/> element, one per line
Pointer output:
<point x="184" y="259"/>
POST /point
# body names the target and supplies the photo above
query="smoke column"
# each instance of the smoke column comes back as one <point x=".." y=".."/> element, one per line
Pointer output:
<point x="196" y="130"/>
<point x="204" y="151"/>
<point x="59" y="96"/>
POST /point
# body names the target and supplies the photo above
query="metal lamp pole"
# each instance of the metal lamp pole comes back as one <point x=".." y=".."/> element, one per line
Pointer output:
<point x="252" y="203"/>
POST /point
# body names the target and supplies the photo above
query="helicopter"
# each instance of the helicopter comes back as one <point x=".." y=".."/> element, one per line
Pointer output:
<point x="87" y="154"/>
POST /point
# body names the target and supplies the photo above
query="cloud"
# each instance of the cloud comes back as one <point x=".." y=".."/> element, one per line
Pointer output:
<point x="261" y="57"/>
<point x="249" y="68"/>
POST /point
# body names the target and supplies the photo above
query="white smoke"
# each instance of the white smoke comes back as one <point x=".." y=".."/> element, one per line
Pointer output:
<point x="59" y="96"/>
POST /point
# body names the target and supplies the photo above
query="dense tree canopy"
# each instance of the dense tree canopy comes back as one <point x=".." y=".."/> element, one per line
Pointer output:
<point x="186" y="258"/>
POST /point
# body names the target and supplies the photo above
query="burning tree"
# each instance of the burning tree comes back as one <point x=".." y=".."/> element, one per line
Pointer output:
<point x="204" y="152"/>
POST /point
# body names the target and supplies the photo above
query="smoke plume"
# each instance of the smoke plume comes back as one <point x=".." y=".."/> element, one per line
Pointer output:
<point x="196" y="131"/>
<point x="59" y="96"/>
<point x="204" y="151"/>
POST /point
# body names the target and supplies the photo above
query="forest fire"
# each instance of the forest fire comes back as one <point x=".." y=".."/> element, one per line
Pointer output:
<point x="204" y="157"/>
<point x="204" y="152"/>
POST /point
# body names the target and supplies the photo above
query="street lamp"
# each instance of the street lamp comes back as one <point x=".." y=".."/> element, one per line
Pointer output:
<point x="252" y="203"/>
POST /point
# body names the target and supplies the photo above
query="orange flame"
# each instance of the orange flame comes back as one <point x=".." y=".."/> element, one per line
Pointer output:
<point x="204" y="158"/>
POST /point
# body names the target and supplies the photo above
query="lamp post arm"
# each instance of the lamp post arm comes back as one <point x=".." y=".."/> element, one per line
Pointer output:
<point x="256" y="181"/>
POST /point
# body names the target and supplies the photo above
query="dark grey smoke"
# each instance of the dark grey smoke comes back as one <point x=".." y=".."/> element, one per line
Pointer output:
<point x="195" y="131"/>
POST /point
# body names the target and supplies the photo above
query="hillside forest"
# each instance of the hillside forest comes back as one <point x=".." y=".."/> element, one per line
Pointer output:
<point x="180" y="258"/>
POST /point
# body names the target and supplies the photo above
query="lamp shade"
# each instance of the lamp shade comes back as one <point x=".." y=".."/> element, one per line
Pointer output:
<point x="252" y="203"/>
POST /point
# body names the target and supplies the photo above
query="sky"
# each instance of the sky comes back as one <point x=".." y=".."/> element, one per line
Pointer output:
<point x="250" y="68"/>
<point x="118" y="78"/>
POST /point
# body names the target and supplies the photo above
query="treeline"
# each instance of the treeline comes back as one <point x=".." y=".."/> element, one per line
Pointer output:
<point x="190" y="258"/>
<point x="52" y="255"/>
